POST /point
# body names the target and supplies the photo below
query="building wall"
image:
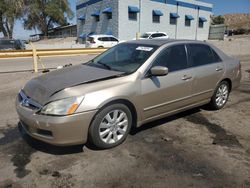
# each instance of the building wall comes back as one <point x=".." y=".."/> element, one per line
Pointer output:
<point x="126" y="29"/>
<point x="185" y="32"/>
<point x="204" y="32"/>
<point x="164" y="26"/>
<point x="104" y="25"/>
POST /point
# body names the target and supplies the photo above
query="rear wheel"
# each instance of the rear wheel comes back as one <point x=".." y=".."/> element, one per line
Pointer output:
<point x="220" y="96"/>
<point x="110" y="126"/>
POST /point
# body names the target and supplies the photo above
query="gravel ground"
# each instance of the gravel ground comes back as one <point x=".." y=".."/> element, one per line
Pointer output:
<point x="197" y="148"/>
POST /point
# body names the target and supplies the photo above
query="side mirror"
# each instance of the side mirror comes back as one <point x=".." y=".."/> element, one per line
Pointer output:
<point x="158" y="71"/>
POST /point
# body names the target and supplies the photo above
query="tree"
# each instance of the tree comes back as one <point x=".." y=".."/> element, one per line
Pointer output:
<point x="10" y="11"/>
<point x="45" y="14"/>
<point x="218" y="20"/>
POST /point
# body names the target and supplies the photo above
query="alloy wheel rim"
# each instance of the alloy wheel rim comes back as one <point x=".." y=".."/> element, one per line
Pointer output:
<point x="113" y="126"/>
<point x="222" y="95"/>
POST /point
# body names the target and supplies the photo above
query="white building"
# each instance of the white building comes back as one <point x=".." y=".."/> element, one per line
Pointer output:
<point x="181" y="19"/>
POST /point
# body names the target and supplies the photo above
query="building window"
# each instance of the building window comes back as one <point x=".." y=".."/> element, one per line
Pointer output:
<point x="108" y="12"/>
<point x="82" y="19"/>
<point x="132" y="12"/>
<point x="173" y="21"/>
<point x="96" y="15"/>
<point x="187" y="23"/>
<point x="201" y="24"/>
<point x="156" y="14"/>
<point x="188" y="19"/>
<point x="156" y="19"/>
<point x="97" y="18"/>
<point x="132" y="16"/>
<point x="173" y="18"/>
<point x="109" y="16"/>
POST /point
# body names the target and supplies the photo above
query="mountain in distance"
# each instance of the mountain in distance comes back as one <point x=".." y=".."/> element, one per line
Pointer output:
<point x="237" y="21"/>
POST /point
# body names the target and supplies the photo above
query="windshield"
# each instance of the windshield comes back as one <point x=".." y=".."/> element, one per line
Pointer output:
<point x="124" y="57"/>
<point x="145" y="35"/>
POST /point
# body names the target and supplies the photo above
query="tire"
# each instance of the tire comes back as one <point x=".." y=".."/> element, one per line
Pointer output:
<point x="220" y="97"/>
<point x="100" y="47"/>
<point x="110" y="126"/>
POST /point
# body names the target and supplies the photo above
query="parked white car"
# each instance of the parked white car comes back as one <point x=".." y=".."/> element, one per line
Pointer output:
<point x="101" y="41"/>
<point x="154" y="35"/>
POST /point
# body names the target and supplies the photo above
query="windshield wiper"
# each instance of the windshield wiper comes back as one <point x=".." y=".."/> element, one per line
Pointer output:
<point x="104" y="65"/>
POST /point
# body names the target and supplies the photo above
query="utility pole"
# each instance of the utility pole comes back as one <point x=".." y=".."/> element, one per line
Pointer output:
<point x="140" y="16"/>
<point x="139" y="33"/>
<point x="176" y="26"/>
<point x="197" y="23"/>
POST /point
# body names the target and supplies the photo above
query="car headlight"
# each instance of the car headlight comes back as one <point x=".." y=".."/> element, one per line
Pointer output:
<point x="62" y="107"/>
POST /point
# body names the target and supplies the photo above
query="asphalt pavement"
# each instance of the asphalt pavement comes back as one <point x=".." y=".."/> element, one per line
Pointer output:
<point x="196" y="148"/>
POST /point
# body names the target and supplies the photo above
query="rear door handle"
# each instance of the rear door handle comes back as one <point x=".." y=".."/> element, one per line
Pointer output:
<point x="186" y="77"/>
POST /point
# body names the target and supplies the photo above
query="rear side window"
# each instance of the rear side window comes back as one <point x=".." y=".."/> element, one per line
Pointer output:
<point x="157" y="35"/>
<point x="162" y="35"/>
<point x="113" y="39"/>
<point x="174" y="58"/>
<point x="105" y="39"/>
<point x="216" y="56"/>
<point x="200" y="54"/>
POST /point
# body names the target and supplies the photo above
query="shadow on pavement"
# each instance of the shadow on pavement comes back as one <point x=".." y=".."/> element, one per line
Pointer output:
<point x="64" y="150"/>
<point x="162" y="121"/>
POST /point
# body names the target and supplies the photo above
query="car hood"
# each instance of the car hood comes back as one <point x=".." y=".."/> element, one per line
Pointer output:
<point x="42" y="88"/>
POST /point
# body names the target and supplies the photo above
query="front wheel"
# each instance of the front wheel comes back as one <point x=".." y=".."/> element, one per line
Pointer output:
<point x="220" y="96"/>
<point x="110" y="126"/>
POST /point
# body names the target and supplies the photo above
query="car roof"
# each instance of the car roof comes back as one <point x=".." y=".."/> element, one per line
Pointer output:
<point x="161" y="42"/>
<point x="153" y="32"/>
<point x="101" y="36"/>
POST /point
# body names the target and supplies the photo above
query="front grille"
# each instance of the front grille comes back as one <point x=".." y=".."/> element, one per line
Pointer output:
<point x="27" y="102"/>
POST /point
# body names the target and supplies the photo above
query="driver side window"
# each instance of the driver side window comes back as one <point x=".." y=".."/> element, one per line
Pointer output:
<point x="174" y="58"/>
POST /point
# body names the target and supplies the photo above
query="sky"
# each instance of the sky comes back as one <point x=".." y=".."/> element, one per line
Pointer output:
<point x="221" y="7"/>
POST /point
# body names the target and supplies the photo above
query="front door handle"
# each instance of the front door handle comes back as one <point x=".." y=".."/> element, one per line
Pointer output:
<point x="219" y="69"/>
<point x="186" y="77"/>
